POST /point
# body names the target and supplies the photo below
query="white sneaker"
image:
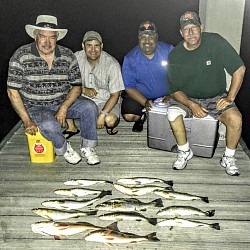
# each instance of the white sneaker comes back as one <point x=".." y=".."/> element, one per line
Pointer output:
<point x="228" y="162"/>
<point x="90" y="155"/>
<point x="71" y="156"/>
<point x="182" y="158"/>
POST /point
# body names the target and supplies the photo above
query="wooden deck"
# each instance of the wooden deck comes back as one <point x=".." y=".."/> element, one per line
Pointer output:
<point x="24" y="186"/>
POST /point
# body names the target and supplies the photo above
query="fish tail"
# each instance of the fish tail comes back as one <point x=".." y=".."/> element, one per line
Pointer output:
<point x="152" y="237"/>
<point x="152" y="221"/>
<point x="104" y="193"/>
<point x="215" y="226"/>
<point x="210" y="213"/>
<point x="205" y="199"/>
<point x="158" y="202"/>
<point x="92" y="212"/>
<point x="107" y="192"/>
<point x="170" y="183"/>
<point x="110" y="182"/>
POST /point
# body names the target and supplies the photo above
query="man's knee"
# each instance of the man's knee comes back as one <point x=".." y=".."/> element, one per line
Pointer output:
<point x="232" y="117"/>
<point x="174" y="112"/>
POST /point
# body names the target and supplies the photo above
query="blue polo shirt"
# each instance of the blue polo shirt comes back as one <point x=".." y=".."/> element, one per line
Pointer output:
<point x="147" y="75"/>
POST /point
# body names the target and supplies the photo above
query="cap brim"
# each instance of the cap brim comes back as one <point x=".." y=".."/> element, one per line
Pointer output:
<point x="30" y="31"/>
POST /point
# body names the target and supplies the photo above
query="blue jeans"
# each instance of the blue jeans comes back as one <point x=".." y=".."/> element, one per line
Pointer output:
<point x="83" y="109"/>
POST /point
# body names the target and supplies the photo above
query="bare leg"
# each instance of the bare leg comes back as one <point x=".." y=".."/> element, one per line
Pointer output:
<point x="233" y="121"/>
<point x="179" y="130"/>
<point x="71" y="125"/>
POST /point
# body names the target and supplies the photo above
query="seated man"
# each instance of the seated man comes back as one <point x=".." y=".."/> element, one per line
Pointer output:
<point x="197" y="83"/>
<point x="102" y="82"/>
<point x="144" y="75"/>
<point x="44" y="84"/>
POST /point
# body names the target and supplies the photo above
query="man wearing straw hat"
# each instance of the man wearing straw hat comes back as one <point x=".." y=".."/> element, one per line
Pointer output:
<point x="44" y="87"/>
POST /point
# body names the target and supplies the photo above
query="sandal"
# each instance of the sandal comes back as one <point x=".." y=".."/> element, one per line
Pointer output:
<point x="69" y="134"/>
<point x="111" y="131"/>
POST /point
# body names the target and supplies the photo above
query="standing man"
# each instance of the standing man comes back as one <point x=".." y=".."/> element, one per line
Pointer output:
<point x="144" y="75"/>
<point x="197" y="83"/>
<point x="102" y="82"/>
<point x="44" y="84"/>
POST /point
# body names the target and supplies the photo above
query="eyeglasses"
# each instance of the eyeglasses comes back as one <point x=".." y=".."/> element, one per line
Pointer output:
<point x="193" y="29"/>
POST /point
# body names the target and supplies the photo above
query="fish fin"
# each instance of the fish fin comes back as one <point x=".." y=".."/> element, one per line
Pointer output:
<point x="171" y="228"/>
<point x="152" y="221"/>
<point x="152" y="237"/>
<point x="205" y="199"/>
<point x="108" y="244"/>
<point x="110" y="182"/>
<point x="158" y="202"/>
<point x="92" y="212"/>
<point x="210" y="213"/>
<point x="57" y="237"/>
<point x="170" y="183"/>
<point x="215" y="226"/>
<point x="168" y="189"/>
<point x="102" y="194"/>
<point x="107" y="192"/>
<point x="113" y="226"/>
<point x="143" y="209"/>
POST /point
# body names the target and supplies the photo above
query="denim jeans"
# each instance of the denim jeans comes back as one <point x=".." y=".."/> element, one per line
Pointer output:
<point x="83" y="109"/>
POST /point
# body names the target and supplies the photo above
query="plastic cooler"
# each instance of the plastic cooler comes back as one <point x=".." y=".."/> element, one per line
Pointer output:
<point x="41" y="150"/>
<point x="202" y="134"/>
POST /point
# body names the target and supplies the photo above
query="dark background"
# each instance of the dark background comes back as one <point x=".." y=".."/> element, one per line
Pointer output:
<point x="116" y="20"/>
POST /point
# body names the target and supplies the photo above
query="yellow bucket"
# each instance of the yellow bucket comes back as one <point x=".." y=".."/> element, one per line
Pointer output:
<point x="41" y="150"/>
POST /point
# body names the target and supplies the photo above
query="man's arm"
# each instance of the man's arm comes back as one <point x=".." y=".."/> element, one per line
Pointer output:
<point x="236" y="82"/>
<point x="61" y="114"/>
<point x="17" y="103"/>
<point x="136" y="95"/>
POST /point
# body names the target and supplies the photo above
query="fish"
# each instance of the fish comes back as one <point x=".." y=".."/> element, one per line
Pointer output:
<point x="173" y="195"/>
<point x="110" y="237"/>
<point x="62" y="229"/>
<point x="120" y="216"/>
<point x="85" y="182"/>
<point x="143" y="181"/>
<point x="128" y="204"/>
<point x="184" y="211"/>
<point x="178" y="222"/>
<point x="54" y="214"/>
<point x="79" y="192"/>
<point x="138" y="190"/>
<point x="72" y="204"/>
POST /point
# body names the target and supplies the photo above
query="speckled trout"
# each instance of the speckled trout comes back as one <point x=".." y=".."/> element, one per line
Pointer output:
<point x="143" y="181"/>
<point x="72" y="204"/>
<point x="178" y="222"/>
<point x="139" y="190"/>
<point x="128" y="204"/>
<point x="120" y="216"/>
<point x="85" y="182"/>
<point x="80" y="192"/>
<point x="172" y="195"/>
<point x="54" y="214"/>
<point x="184" y="211"/>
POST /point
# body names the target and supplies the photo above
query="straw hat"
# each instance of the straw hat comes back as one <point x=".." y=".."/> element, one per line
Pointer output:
<point x="46" y="22"/>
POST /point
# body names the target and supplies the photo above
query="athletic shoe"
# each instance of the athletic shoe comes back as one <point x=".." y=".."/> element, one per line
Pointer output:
<point x="90" y="155"/>
<point x="228" y="162"/>
<point x="71" y="156"/>
<point x="182" y="158"/>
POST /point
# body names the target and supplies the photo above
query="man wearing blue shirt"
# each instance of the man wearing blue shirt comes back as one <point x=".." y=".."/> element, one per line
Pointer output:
<point x="144" y="75"/>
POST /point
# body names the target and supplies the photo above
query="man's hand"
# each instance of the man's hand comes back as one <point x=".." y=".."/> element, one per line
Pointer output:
<point x="61" y="116"/>
<point x="198" y="111"/>
<point x="148" y="105"/>
<point x="166" y="99"/>
<point x="30" y="127"/>
<point x="222" y="103"/>
<point x="90" y="92"/>
<point x="100" y="121"/>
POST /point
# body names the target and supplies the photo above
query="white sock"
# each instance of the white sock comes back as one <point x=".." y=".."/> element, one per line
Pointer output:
<point x="184" y="147"/>
<point x="229" y="152"/>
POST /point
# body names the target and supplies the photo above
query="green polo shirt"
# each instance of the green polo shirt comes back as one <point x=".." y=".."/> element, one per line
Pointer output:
<point x="200" y="73"/>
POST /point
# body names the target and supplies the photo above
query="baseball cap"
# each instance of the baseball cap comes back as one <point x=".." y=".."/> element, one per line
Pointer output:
<point x="91" y="35"/>
<point x="147" y="27"/>
<point x="189" y="17"/>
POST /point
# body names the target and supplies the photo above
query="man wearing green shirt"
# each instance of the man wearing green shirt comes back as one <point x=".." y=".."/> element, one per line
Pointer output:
<point x="197" y="84"/>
